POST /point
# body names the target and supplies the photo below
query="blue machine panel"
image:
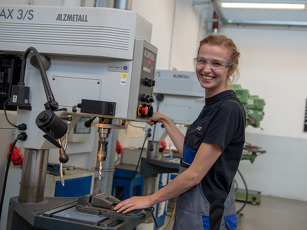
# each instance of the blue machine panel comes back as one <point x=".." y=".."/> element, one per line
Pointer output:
<point x="74" y="187"/>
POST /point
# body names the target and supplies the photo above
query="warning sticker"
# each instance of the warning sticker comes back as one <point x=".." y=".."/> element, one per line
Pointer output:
<point x="123" y="79"/>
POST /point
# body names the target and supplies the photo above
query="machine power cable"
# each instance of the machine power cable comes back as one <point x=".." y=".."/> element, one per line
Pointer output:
<point x="135" y="126"/>
<point x="137" y="165"/>
<point x="172" y="216"/>
<point x="22" y="126"/>
<point x="4" y="108"/>
<point x="246" y="190"/>
<point x="22" y="136"/>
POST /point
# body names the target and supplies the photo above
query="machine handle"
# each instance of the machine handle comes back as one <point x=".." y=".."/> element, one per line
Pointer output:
<point x="63" y="156"/>
<point x="61" y="175"/>
<point x="151" y="209"/>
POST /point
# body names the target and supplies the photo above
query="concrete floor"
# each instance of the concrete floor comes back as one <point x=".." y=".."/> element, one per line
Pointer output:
<point x="272" y="213"/>
<point x="275" y="213"/>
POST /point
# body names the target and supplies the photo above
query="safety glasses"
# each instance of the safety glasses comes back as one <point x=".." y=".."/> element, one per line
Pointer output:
<point x="214" y="63"/>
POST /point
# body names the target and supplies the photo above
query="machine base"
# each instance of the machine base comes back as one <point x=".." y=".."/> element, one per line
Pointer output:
<point x="240" y="217"/>
<point x="254" y="197"/>
<point x="60" y="213"/>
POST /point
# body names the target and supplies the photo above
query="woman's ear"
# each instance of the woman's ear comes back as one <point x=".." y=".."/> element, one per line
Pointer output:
<point x="231" y="71"/>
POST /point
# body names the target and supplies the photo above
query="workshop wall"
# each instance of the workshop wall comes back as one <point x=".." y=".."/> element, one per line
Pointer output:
<point x="273" y="67"/>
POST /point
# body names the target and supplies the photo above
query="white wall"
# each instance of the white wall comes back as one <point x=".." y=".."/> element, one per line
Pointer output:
<point x="273" y="67"/>
<point x="175" y="31"/>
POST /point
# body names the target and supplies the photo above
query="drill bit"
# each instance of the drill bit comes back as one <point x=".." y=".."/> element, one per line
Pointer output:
<point x="100" y="169"/>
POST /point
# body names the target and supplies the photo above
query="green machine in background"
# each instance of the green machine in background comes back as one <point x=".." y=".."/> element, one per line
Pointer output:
<point x="252" y="104"/>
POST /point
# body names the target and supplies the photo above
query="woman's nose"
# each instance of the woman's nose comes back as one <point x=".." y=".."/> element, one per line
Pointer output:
<point x="207" y="67"/>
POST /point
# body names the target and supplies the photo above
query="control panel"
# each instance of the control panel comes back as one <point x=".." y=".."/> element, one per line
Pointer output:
<point x="146" y="55"/>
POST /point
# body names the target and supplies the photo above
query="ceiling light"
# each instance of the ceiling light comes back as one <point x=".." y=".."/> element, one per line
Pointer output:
<point x="263" y="5"/>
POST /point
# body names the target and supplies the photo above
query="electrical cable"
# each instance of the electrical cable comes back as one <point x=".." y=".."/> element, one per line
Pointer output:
<point x="22" y="126"/>
<point x="137" y="165"/>
<point x="4" y="109"/>
<point x="21" y="136"/>
<point x="246" y="198"/>
<point x="236" y="184"/>
<point x="135" y="126"/>
<point x="172" y="216"/>
<point x="116" y="160"/>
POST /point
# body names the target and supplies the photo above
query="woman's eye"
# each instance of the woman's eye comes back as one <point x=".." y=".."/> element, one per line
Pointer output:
<point x="217" y="64"/>
<point x="201" y="61"/>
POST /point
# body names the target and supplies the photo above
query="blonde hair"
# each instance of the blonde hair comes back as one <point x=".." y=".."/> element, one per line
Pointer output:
<point x="215" y="39"/>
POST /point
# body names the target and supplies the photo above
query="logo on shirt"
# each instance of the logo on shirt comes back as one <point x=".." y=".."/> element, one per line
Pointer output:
<point x="198" y="128"/>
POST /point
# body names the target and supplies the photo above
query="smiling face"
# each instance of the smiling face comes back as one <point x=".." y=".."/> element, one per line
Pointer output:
<point x="213" y="80"/>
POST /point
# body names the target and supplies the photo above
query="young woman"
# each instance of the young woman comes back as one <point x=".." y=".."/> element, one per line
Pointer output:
<point x="211" y="149"/>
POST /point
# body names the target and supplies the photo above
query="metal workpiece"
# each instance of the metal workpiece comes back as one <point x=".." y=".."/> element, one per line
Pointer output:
<point x="33" y="177"/>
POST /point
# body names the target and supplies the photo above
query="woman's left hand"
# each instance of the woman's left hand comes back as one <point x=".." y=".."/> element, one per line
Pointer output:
<point x="136" y="202"/>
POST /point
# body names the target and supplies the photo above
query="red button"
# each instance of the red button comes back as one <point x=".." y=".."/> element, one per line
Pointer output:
<point x="149" y="62"/>
<point x="145" y="110"/>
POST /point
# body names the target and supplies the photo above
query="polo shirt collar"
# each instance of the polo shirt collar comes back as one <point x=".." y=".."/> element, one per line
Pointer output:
<point x="220" y="96"/>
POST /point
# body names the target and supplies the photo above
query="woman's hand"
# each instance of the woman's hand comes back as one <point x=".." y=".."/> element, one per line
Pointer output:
<point x="136" y="202"/>
<point x="171" y="129"/>
<point x="157" y="117"/>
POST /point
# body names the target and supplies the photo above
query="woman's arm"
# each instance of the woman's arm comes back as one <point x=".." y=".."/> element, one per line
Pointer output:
<point x="206" y="155"/>
<point x="175" y="134"/>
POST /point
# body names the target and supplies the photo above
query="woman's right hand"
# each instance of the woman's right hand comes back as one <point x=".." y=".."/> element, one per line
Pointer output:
<point x="156" y="117"/>
<point x="171" y="129"/>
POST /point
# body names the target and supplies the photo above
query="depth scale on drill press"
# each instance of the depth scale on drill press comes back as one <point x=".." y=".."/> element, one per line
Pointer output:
<point x="102" y="67"/>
